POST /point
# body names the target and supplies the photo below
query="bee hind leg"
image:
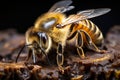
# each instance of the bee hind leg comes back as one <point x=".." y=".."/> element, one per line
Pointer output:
<point x="60" y="57"/>
<point x="79" y="44"/>
<point x="90" y="44"/>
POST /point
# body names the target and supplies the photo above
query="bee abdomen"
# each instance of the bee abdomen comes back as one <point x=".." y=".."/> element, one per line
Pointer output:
<point x="93" y="31"/>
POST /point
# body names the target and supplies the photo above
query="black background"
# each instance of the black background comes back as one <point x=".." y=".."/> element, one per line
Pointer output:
<point x="21" y="15"/>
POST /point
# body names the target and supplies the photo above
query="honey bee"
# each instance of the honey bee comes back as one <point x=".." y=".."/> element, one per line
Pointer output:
<point x="54" y="29"/>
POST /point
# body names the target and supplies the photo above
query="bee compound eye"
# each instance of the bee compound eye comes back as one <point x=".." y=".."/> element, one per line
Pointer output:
<point x="43" y="39"/>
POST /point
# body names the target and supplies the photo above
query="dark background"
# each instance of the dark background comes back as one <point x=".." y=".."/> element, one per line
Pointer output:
<point x="21" y="15"/>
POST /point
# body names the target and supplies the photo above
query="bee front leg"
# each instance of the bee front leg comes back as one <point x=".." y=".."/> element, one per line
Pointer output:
<point x="31" y="53"/>
<point x="90" y="43"/>
<point x="60" y="57"/>
<point x="33" y="56"/>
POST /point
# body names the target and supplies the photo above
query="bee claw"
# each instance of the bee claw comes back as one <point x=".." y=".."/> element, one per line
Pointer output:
<point x="61" y="69"/>
<point x="103" y="51"/>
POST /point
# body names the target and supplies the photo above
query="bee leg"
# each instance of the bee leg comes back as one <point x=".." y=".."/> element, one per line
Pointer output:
<point x="60" y="57"/>
<point x="79" y="44"/>
<point x="90" y="44"/>
<point x="31" y="53"/>
<point x="33" y="56"/>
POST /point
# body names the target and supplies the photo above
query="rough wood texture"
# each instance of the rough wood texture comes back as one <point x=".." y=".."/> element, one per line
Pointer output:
<point x="95" y="67"/>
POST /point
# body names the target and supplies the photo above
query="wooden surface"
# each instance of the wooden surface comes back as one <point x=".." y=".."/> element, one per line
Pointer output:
<point x="96" y="66"/>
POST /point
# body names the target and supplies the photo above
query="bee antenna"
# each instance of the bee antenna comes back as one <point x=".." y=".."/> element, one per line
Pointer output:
<point x="20" y="52"/>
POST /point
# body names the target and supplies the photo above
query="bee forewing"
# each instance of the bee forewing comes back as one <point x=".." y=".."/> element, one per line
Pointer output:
<point x="61" y="6"/>
<point x="72" y="19"/>
<point x="86" y="14"/>
<point x="90" y="13"/>
<point x="64" y="9"/>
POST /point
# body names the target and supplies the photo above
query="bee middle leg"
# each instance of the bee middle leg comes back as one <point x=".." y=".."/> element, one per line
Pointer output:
<point x="60" y="57"/>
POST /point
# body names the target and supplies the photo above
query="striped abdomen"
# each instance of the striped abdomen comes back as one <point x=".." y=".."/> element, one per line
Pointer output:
<point x="93" y="31"/>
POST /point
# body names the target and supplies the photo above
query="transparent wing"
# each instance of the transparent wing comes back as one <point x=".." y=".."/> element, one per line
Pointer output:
<point x="90" y="13"/>
<point x="86" y="14"/>
<point x="61" y="6"/>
